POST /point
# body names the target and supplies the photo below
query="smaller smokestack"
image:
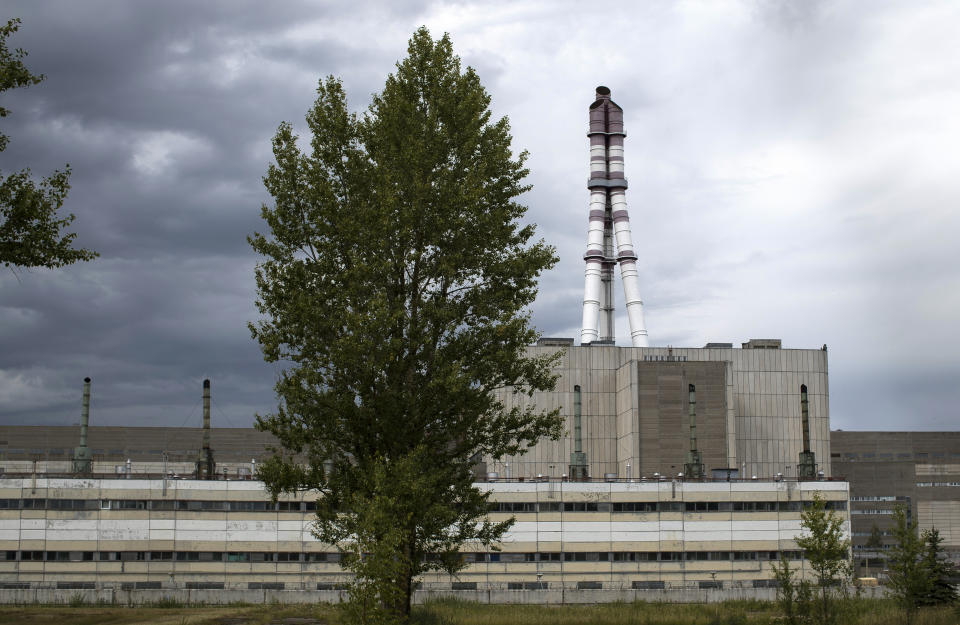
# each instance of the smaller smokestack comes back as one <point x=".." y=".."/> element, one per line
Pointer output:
<point x="693" y="469"/>
<point x="807" y="466"/>
<point x="85" y="412"/>
<point x="82" y="458"/>
<point x="206" y="467"/>
<point x="206" y="414"/>
<point x="579" y="469"/>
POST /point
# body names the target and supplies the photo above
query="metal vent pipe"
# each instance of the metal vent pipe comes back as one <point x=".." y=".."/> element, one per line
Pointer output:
<point x="206" y="414"/>
<point x="82" y="457"/>
<point x="577" y="426"/>
<point x="85" y="412"/>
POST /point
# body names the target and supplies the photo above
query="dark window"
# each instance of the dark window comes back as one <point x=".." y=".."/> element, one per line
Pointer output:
<point x="645" y="585"/>
<point x="76" y="585"/>
<point x="463" y="586"/>
<point x="526" y="585"/>
<point x="147" y="585"/>
<point x="589" y="585"/>
<point x="161" y="555"/>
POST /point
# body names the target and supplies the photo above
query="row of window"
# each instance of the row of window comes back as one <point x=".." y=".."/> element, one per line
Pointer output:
<point x="157" y="504"/>
<point x="494" y="556"/>
<point x="503" y="506"/>
<point x="879" y="498"/>
<point x="900" y="456"/>
<point x="656" y="506"/>
<point x="629" y="556"/>
<point x="936" y="484"/>
<point x="167" y="556"/>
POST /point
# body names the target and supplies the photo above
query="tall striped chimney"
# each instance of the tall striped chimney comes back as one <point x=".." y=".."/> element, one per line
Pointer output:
<point x="609" y="222"/>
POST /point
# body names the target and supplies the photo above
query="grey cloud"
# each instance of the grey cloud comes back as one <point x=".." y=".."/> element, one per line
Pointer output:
<point x="783" y="162"/>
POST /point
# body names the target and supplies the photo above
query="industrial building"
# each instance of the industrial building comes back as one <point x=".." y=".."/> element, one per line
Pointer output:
<point x="919" y="470"/>
<point x="205" y="534"/>
<point x="682" y="467"/>
<point x="680" y="470"/>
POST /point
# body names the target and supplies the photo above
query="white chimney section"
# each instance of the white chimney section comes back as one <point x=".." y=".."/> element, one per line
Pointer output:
<point x="609" y="222"/>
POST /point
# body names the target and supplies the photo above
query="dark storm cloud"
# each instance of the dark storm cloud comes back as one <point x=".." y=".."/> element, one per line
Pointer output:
<point x="789" y="177"/>
<point x="164" y="112"/>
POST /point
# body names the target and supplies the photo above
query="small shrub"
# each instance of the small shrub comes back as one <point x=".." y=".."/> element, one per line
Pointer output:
<point x="76" y="600"/>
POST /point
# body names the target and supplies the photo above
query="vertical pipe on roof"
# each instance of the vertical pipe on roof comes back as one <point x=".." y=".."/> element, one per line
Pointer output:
<point x="206" y="414"/>
<point x="85" y="413"/>
<point x="82" y="457"/>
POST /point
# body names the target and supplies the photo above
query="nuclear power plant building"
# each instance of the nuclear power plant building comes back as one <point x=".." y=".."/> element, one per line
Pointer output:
<point x="679" y="467"/>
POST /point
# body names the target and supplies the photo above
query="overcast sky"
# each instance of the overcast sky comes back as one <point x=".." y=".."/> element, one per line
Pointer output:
<point x="793" y="170"/>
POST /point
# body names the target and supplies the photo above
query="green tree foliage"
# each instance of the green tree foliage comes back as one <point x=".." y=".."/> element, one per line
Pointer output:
<point x="31" y="228"/>
<point x="794" y="594"/>
<point x="940" y="571"/>
<point x="827" y="552"/>
<point x="395" y="283"/>
<point x="908" y="581"/>
<point x="875" y="544"/>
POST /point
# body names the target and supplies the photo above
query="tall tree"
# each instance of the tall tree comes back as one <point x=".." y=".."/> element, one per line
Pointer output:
<point x="31" y="227"/>
<point x="827" y="549"/>
<point x="908" y="581"/>
<point x="940" y="571"/>
<point x="395" y="283"/>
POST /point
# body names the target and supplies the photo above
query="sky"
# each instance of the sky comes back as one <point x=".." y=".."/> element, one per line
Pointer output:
<point x="793" y="173"/>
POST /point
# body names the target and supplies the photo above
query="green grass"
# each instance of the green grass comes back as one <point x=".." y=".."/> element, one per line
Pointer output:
<point x="451" y="612"/>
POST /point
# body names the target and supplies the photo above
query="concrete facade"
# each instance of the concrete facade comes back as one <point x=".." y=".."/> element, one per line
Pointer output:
<point x="920" y="470"/>
<point x="149" y="534"/>
<point x="634" y="410"/>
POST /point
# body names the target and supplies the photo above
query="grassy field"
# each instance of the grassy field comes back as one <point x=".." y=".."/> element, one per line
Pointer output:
<point x="872" y="612"/>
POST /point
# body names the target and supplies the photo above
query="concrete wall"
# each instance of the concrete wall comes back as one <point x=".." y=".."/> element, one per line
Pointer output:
<point x="538" y="597"/>
<point x="763" y="421"/>
<point x="565" y="532"/>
